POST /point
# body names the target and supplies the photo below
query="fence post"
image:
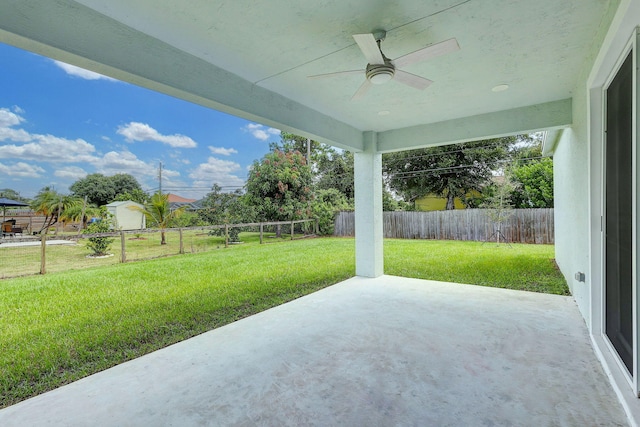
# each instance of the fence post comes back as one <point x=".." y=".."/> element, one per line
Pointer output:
<point x="181" y="242"/>
<point x="292" y="230"/>
<point x="43" y="244"/>
<point x="123" y="252"/>
<point x="226" y="235"/>
<point x="317" y="226"/>
<point x="261" y="230"/>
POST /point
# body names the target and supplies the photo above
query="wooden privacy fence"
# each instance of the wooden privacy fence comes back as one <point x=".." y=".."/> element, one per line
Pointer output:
<point x="522" y="226"/>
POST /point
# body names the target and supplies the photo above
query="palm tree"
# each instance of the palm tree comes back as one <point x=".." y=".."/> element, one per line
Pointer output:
<point x="158" y="212"/>
<point x="53" y="205"/>
<point x="80" y="212"/>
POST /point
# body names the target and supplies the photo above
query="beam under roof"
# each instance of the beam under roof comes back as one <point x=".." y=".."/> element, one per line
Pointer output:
<point x="547" y="116"/>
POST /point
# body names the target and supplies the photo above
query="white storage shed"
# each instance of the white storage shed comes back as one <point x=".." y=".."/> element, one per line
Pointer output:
<point x="126" y="218"/>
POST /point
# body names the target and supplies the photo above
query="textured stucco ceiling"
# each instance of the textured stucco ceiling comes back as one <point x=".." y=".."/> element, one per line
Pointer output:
<point x="264" y="51"/>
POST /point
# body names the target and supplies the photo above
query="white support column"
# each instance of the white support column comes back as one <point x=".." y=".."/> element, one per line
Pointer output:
<point x="368" y="215"/>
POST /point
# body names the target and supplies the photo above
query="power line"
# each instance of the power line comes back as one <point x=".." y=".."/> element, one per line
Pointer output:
<point x="413" y="174"/>
<point x="461" y="150"/>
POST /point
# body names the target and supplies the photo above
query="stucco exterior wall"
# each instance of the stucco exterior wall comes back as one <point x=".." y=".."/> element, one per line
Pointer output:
<point x="574" y="191"/>
<point x="571" y="187"/>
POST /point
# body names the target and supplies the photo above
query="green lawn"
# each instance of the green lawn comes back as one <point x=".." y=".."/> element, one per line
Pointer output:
<point x="60" y="327"/>
<point x="22" y="261"/>
<point x="516" y="266"/>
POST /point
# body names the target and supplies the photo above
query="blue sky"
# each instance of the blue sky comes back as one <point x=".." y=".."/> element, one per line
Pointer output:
<point x="59" y="123"/>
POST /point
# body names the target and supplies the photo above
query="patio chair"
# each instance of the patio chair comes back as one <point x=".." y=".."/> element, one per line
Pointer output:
<point x="7" y="229"/>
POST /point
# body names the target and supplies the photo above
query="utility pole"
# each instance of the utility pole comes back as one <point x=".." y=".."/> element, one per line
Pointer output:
<point x="308" y="151"/>
<point x="160" y="178"/>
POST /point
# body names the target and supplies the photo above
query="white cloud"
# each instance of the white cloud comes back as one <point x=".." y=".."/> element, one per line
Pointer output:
<point x="261" y="132"/>
<point x="72" y="70"/>
<point x="36" y="147"/>
<point x="16" y="135"/>
<point x="21" y="170"/>
<point x="48" y="148"/>
<point x="71" y="172"/>
<point x="216" y="171"/>
<point x="9" y="118"/>
<point x="124" y="162"/>
<point x="168" y="173"/>
<point x="17" y="110"/>
<point x="135" y="131"/>
<point x="223" y="151"/>
<point x="26" y="146"/>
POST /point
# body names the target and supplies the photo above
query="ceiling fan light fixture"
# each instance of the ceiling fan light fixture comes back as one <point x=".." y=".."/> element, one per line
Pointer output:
<point x="381" y="78"/>
<point x="380" y="73"/>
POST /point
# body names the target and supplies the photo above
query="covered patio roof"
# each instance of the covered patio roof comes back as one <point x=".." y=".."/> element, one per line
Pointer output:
<point x="253" y="60"/>
<point x="384" y="351"/>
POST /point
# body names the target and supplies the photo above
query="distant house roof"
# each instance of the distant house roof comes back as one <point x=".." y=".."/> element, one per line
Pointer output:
<point x="174" y="198"/>
<point x="194" y="205"/>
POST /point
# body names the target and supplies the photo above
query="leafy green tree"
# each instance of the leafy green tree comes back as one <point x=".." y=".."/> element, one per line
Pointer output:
<point x="292" y="143"/>
<point x="188" y="219"/>
<point x="334" y="169"/>
<point x="100" y="189"/>
<point x="534" y="182"/>
<point x="124" y="183"/>
<point x="13" y="195"/>
<point x="136" y="195"/>
<point x="159" y="214"/>
<point x="219" y="207"/>
<point x="389" y="204"/>
<point x="326" y="205"/>
<point x="97" y="188"/>
<point x="330" y="167"/>
<point x="448" y="171"/>
<point x="226" y="208"/>
<point x="279" y="186"/>
<point x="498" y="204"/>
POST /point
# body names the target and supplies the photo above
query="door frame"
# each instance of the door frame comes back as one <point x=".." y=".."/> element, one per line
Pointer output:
<point x="633" y="380"/>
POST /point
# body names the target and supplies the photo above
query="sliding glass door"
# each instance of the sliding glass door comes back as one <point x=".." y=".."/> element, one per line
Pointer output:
<point x="618" y="205"/>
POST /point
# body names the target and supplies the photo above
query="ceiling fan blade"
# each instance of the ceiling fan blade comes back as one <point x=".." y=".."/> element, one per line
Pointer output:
<point x="369" y="48"/>
<point x="412" y="80"/>
<point x="428" y="52"/>
<point x="362" y="90"/>
<point x="336" y="74"/>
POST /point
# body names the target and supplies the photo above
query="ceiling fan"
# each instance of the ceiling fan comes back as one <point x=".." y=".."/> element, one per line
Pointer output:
<point x="381" y="69"/>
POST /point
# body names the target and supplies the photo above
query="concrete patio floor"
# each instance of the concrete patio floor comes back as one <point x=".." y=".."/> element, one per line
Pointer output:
<point x="366" y="352"/>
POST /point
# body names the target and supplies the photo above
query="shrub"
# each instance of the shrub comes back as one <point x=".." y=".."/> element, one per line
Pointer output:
<point x="234" y="233"/>
<point x="325" y="207"/>
<point x="99" y="245"/>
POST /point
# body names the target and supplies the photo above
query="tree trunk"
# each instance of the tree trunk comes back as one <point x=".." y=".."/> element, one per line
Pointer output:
<point x="450" y="201"/>
<point x="163" y="241"/>
<point x="278" y="231"/>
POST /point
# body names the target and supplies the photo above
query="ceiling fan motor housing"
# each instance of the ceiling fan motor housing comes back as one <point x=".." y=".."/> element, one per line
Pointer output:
<point x="380" y="73"/>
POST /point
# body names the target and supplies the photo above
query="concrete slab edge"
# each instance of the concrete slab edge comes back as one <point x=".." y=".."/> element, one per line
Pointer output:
<point x="629" y="402"/>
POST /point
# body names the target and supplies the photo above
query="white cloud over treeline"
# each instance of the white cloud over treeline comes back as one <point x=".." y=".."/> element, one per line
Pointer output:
<point x="261" y="132"/>
<point x="136" y="131"/>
